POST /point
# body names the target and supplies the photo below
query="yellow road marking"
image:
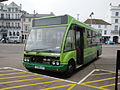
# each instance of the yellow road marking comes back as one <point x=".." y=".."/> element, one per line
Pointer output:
<point x="7" y="70"/>
<point x="72" y="85"/>
<point x="29" y="85"/>
<point x="17" y="76"/>
<point x="100" y="80"/>
<point x="94" y="86"/>
<point x="12" y="73"/>
<point x="109" y="85"/>
<point x="22" y="80"/>
<point x="102" y="73"/>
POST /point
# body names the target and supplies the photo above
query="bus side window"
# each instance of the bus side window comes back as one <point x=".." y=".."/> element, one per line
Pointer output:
<point x="70" y="41"/>
<point x="89" y="37"/>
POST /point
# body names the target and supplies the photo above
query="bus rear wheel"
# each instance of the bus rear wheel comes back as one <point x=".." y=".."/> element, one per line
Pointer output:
<point x="70" y="69"/>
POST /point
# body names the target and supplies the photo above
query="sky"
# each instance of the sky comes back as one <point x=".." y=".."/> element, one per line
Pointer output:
<point x="71" y="7"/>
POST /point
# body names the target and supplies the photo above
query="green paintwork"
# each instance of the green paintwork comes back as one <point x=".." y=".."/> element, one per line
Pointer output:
<point x="61" y="68"/>
<point x="42" y="54"/>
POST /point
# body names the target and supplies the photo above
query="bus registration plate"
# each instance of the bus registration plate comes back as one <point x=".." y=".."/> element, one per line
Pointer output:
<point x="40" y="67"/>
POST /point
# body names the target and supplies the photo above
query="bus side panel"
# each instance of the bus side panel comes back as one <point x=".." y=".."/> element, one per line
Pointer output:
<point x="66" y="56"/>
<point x="89" y="54"/>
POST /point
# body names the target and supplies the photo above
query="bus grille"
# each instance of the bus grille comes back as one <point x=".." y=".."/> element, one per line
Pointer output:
<point x="40" y="59"/>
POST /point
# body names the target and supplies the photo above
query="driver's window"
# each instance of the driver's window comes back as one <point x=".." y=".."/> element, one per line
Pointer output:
<point x="70" y="41"/>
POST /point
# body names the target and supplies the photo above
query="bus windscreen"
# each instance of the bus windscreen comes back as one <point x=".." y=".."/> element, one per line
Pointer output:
<point x="50" y="21"/>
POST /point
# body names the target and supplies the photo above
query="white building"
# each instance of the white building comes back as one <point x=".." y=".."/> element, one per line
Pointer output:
<point x="101" y="25"/>
<point x="115" y="21"/>
<point x="26" y="23"/>
<point x="10" y="19"/>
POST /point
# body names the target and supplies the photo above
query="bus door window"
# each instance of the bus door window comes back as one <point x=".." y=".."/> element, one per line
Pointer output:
<point x="79" y="45"/>
<point x="78" y="49"/>
<point x="77" y="39"/>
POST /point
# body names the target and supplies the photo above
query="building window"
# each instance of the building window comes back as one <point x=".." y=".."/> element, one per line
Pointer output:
<point x="29" y="19"/>
<point x="12" y="24"/>
<point x="105" y="32"/>
<point x="18" y="24"/>
<point x="25" y="36"/>
<point x="17" y="33"/>
<point x="13" y="33"/>
<point x="12" y="16"/>
<point x="16" y="9"/>
<point x="116" y="20"/>
<point x="12" y="9"/>
<point x="22" y="36"/>
<point x="8" y="16"/>
<point x="105" y="26"/>
<point x="10" y="34"/>
<point x="26" y="28"/>
<point x="8" y="24"/>
<point x="2" y="16"/>
<point x="15" y="24"/>
<point x="16" y="16"/>
<point x="99" y="26"/>
<point x="1" y="7"/>
<point x="117" y="14"/>
<point x="9" y="9"/>
<point x="24" y="19"/>
<point x="116" y="27"/>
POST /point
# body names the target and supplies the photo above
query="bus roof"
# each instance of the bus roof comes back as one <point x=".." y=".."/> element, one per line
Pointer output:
<point x="70" y="18"/>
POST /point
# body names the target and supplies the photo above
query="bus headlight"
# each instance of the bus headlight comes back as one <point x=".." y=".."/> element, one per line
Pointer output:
<point x="44" y="59"/>
<point x="57" y="63"/>
<point x="26" y="59"/>
<point x="53" y="62"/>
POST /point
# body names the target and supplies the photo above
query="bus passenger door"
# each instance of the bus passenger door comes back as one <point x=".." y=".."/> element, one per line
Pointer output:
<point x="79" y="45"/>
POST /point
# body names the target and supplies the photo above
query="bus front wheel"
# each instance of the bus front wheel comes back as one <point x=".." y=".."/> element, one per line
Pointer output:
<point x="70" y="68"/>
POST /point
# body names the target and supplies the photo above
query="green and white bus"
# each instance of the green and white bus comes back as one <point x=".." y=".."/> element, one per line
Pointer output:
<point x="61" y="44"/>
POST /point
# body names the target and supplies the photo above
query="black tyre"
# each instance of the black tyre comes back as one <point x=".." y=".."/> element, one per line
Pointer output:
<point x="70" y="69"/>
<point x="97" y="55"/>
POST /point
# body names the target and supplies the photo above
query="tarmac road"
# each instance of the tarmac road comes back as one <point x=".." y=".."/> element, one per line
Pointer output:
<point x="11" y="56"/>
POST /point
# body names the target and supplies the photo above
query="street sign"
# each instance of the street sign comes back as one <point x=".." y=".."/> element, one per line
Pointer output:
<point x="3" y="0"/>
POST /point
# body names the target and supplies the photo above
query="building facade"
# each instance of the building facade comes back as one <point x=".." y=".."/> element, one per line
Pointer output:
<point x="101" y="25"/>
<point x="26" y="23"/>
<point x="115" y="23"/>
<point x="10" y="19"/>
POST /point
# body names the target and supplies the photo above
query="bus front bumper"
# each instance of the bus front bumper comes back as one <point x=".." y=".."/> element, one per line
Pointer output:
<point x="61" y="68"/>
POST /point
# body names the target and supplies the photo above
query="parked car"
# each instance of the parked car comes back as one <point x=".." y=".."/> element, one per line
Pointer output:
<point x="14" y="39"/>
<point x="110" y="42"/>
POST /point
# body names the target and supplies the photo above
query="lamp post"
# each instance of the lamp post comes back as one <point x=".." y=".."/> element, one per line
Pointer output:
<point x="91" y="17"/>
